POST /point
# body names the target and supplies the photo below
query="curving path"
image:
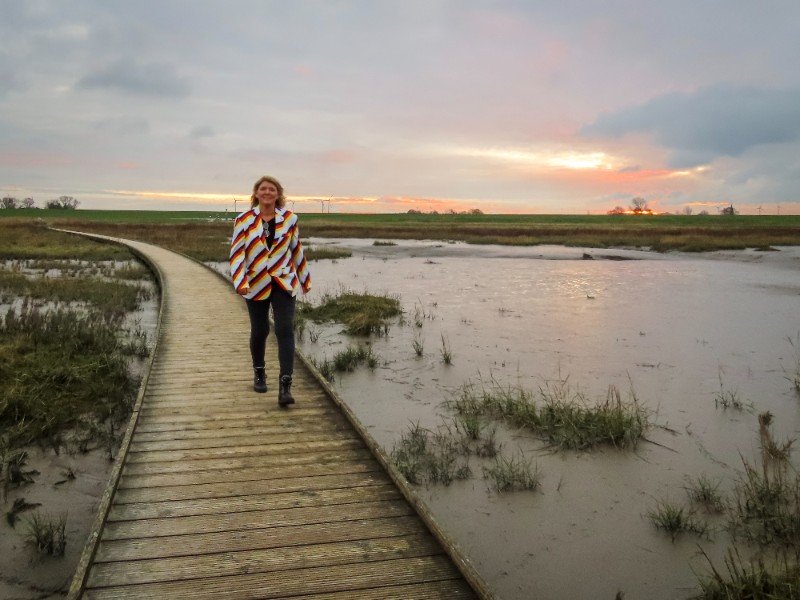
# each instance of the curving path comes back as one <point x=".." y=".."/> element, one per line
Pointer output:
<point x="218" y="493"/>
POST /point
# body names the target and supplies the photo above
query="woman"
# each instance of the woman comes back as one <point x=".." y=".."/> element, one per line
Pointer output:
<point x="268" y="268"/>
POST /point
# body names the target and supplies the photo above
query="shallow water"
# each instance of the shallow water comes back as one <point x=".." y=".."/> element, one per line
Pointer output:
<point x="673" y="325"/>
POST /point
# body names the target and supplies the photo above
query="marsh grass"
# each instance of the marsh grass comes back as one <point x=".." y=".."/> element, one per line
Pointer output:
<point x="325" y="367"/>
<point x="558" y="414"/>
<point x="347" y="360"/>
<point x="109" y="296"/>
<point x="512" y="474"/>
<point x="57" y="367"/>
<point x="418" y="346"/>
<point x="726" y="398"/>
<point x="445" y="351"/>
<point x="47" y="533"/>
<point x="423" y="456"/>
<point x="383" y="243"/>
<point x="676" y="520"/>
<point x="29" y="239"/>
<point x="361" y="314"/>
<point x="778" y="579"/>
<point x="706" y="493"/>
<point x="326" y="253"/>
<point x="793" y="373"/>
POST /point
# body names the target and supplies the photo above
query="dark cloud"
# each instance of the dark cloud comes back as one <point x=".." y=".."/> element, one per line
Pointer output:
<point x="150" y="79"/>
<point x="719" y="120"/>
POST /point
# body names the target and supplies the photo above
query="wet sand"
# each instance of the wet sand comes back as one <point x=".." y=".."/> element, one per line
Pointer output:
<point x="672" y="324"/>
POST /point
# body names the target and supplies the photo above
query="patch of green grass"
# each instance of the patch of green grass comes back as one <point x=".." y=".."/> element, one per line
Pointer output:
<point x="512" y="474"/>
<point x="361" y="314"/>
<point x="326" y="252"/>
<point x="561" y="416"/>
<point x="675" y="520"/>
<point x="383" y="243"/>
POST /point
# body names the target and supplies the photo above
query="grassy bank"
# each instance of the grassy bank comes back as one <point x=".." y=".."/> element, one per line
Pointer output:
<point x="205" y="235"/>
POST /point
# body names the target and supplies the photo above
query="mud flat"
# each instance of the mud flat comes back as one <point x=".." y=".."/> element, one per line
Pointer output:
<point x="679" y="328"/>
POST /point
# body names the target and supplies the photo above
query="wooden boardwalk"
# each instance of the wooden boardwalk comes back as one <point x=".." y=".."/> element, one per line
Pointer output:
<point x="219" y="493"/>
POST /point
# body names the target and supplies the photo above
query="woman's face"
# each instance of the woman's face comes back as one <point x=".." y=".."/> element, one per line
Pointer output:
<point x="267" y="194"/>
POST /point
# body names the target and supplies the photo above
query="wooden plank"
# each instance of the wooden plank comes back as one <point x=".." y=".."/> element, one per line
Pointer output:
<point x="250" y="467"/>
<point x="279" y="584"/>
<point x="210" y="484"/>
<point x="262" y="561"/>
<point x="252" y="439"/>
<point x="263" y="449"/>
<point x="265" y="430"/>
<point x="257" y="519"/>
<point x="221" y="504"/>
<point x="254" y="539"/>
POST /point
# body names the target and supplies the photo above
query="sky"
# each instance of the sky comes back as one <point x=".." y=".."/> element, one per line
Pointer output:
<point x="385" y="106"/>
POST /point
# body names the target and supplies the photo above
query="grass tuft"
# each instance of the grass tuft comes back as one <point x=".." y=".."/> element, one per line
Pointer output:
<point x="675" y="520"/>
<point x="362" y="314"/>
<point x="47" y="534"/>
<point x="512" y="474"/>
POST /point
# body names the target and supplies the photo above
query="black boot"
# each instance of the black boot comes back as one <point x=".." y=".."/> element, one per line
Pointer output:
<point x="285" y="397"/>
<point x="260" y="380"/>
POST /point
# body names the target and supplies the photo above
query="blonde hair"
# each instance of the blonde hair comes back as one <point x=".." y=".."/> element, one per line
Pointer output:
<point x="280" y="202"/>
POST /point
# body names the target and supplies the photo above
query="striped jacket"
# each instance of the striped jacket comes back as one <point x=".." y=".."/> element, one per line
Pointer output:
<point x="256" y="268"/>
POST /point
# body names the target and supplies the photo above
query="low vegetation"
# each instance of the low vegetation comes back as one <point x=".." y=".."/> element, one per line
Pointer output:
<point x="361" y="314"/>
<point x="326" y="252"/>
<point x="561" y="416"/>
<point x="206" y="235"/>
<point x="675" y="519"/>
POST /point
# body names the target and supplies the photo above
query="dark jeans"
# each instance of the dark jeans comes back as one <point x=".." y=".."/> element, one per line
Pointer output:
<point x="283" y="305"/>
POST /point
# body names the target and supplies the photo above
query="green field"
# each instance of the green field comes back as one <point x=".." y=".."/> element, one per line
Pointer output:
<point x="204" y="234"/>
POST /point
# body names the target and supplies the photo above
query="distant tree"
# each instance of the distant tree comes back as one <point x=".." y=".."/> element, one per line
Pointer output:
<point x="703" y="213"/>
<point x="638" y="205"/>
<point x="617" y="210"/>
<point x="413" y="211"/>
<point x="28" y="203"/>
<point x="687" y="210"/>
<point x="8" y="202"/>
<point x="476" y="211"/>
<point x="62" y="203"/>
<point x="728" y="210"/>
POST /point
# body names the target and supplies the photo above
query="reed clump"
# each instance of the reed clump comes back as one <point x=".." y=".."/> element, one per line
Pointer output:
<point x="361" y="314"/>
<point x="563" y="417"/>
<point x="47" y="533"/>
<point x="512" y="474"/>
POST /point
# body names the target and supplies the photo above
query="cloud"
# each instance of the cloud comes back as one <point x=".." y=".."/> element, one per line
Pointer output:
<point x="201" y="131"/>
<point x="125" y="125"/>
<point x="149" y="79"/>
<point x="718" y="120"/>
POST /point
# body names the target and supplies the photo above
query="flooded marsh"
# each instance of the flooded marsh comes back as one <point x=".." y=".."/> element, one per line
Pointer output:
<point x="674" y="329"/>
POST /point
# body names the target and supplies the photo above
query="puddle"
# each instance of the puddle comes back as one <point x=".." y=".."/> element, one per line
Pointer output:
<point x="672" y="324"/>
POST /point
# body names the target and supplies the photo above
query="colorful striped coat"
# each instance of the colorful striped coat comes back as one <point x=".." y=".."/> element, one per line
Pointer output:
<point x="256" y="268"/>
